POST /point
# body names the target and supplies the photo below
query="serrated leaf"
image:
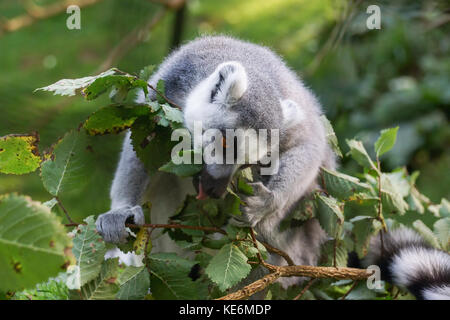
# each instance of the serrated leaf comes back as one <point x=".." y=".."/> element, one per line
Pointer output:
<point x="104" y="286"/>
<point x="32" y="243"/>
<point x="134" y="283"/>
<point x="331" y="136"/>
<point x="391" y="197"/>
<point x="386" y="141"/>
<point x="426" y="233"/>
<point x="361" y="205"/>
<point x="361" y="292"/>
<point x="363" y="230"/>
<point x="327" y="252"/>
<point x="64" y="169"/>
<point x="342" y="186"/>
<point x="329" y="215"/>
<point x="113" y="119"/>
<point x="172" y="114"/>
<point x="89" y="250"/>
<point x="152" y="143"/>
<point x="143" y="242"/>
<point x="121" y="82"/>
<point x="442" y="232"/>
<point x="146" y="72"/>
<point x="228" y="267"/>
<point x="53" y="289"/>
<point x="68" y="87"/>
<point x="169" y="277"/>
<point x="19" y="154"/>
<point x="160" y="87"/>
<point x="360" y="155"/>
<point x="181" y="170"/>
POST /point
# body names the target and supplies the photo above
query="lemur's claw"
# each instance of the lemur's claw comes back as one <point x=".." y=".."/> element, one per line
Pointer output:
<point x="111" y="225"/>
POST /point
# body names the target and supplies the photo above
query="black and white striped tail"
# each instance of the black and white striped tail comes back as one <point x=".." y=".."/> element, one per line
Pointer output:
<point x="408" y="261"/>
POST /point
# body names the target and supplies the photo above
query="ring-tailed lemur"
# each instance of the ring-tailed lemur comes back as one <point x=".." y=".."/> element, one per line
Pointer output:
<point x="406" y="260"/>
<point x="230" y="84"/>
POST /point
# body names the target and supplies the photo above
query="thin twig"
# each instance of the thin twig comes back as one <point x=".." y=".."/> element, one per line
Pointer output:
<point x="164" y="97"/>
<point x="64" y="210"/>
<point x="177" y="226"/>
<point x="310" y="282"/>
<point x="349" y="290"/>
<point x="279" y="252"/>
<point x="255" y="244"/>
<point x="173" y="104"/>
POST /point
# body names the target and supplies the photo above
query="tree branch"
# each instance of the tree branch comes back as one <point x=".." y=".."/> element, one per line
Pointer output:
<point x="132" y="39"/>
<point x="296" y="271"/>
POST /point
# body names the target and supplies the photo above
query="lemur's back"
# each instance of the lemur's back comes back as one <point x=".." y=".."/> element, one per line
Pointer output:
<point x="193" y="62"/>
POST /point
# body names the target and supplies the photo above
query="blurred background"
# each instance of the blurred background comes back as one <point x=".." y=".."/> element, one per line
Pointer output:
<point x="366" y="80"/>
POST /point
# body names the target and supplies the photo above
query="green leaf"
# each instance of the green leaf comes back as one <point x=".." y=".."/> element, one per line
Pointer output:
<point x="146" y="72"/>
<point x="53" y="289"/>
<point x="331" y="136"/>
<point x="169" y="277"/>
<point x="363" y="229"/>
<point x="182" y="170"/>
<point x="120" y="82"/>
<point x="89" y="251"/>
<point x="160" y="86"/>
<point x="64" y="168"/>
<point x="32" y="243"/>
<point x="244" y="187"/>
<point x="113" y="119"/>
<point x="361" y="205"/>
<point x="391" y="196"/>
<point x="228" y="267"/>
<point x="68" y="87"/>
<point x="360" y="155"/>
<point x="152" y="143"/>
<point x="19" y="154"/>
<point x="329" y="215"/>
<point x="327" y="253"/>
<point x="172" y="114"/>
<point x="426" y="233"/>
<point x="342" y="186"/>
<point x="103" y="287"/>
<point x="361" y="292"/>
<point x="134" y="283"/>
<point x="386" y="141"/>
<point x="442" y="232"/>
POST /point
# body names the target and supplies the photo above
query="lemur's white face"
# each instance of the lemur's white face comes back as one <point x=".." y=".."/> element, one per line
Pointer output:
<point x="210" y="104"/>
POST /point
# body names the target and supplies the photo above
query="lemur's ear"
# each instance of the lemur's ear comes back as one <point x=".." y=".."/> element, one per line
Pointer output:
<point x="229" y="83"/>
<point x="292" y="113"/>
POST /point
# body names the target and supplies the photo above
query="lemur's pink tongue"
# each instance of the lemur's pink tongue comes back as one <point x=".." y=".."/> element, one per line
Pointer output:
<point x="201" y="194"/>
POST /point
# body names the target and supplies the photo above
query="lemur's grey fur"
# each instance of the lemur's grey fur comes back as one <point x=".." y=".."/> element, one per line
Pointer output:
<point x="228" y="83"/>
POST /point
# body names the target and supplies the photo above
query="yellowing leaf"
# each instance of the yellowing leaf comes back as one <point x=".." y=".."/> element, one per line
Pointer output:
<point x="19" y="154"/>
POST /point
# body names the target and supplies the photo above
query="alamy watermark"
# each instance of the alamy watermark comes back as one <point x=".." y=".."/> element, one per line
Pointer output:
<point x="227" y="146"/>
<point x="74" y="20"/>
<point x="374" y="20"/>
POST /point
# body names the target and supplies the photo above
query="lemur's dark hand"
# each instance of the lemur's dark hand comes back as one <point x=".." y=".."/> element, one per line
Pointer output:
<point x="256" y="206"/>
<point x="111" y="225"/>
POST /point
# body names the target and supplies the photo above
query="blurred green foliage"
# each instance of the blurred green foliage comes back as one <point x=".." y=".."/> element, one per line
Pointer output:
<point x="366" y="79"/>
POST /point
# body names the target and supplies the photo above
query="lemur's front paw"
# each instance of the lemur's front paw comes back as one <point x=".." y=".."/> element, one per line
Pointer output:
<point x="256" y="206"/>
<point x="111" y="225"/>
